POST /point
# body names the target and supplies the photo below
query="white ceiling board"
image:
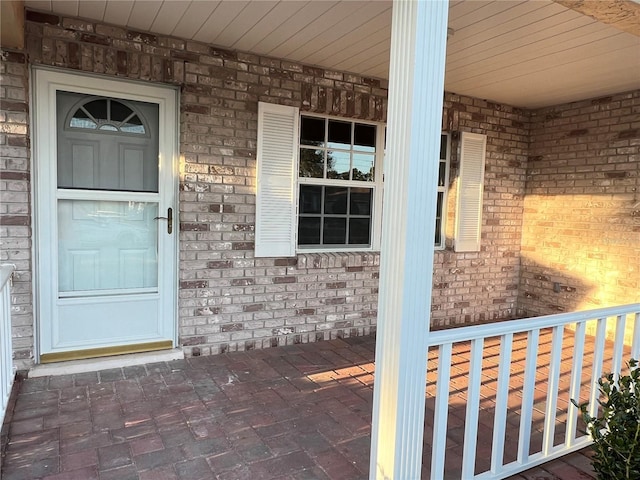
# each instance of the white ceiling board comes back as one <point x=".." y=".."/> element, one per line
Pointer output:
<point x="543" y="89"/>
<point x="522" y="52"/>
<point x="66" y="7"/>
<point x="94" y="9"/>
<point x="355" y="18"/>
<point x="353" y="46"/>
<point x="278" y="38"/>
<point x="224" y="14"/>
<point x="280" y="13"/>
<point x="503" y="9"/>
<point x="251" y="15"/>
<point x="118" y="11"/>
<point x="193" y="18"/>
<point x="530" y="36"/>
<point x="168" y="16"/>
<point x="143" y="14"/>
<point x="572" y="53"/>
<point x="315" y="27"/>
<point x="44" y="5"/>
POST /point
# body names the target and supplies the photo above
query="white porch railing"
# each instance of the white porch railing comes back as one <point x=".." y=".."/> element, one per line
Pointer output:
<point x="521" y="377"/>
<point x="7" y="370"/>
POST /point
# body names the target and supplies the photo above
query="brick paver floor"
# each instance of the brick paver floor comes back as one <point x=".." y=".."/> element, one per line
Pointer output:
<point x="295" y="412"/>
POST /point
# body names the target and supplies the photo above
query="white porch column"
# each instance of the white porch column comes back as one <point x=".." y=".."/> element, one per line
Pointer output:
<point x="416" y="84"/>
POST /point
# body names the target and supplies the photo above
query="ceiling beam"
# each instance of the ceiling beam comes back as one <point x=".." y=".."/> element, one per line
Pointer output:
<point x="621" y="14"/>
<point x="12" y="24"/>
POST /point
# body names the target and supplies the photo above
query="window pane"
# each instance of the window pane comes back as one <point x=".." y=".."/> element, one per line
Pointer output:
<point x="338" y="165"/>
<point x="97" y="108"/>
<point x="438" y="233"/>
<point x="335" y="231"/>
<point x="310" y="199"/>
<point x="443" y="147"/>
<point x="312" y="131"/>
<point x="442" y="174"/>
<point x="119" y="111"/>
<point x="339" y="134"/>
<point x="360" y="201"/>
<point x="365" y="138"/>
<point x="363" y="167"/>
<point x="309" y="231"/>
<point x="311" y="163"/>
<point x="439" y="204"/>
<point x="359" y="231"/>
<point x="335" y="200"/>
<point x="82" y="123"/>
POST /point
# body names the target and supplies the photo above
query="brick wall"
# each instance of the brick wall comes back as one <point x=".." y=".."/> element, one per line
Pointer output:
<point x="483" y="286"/>
<point x="227" y="299"/>
<point x="582" y="207"/>
<point x="15" y="197"/>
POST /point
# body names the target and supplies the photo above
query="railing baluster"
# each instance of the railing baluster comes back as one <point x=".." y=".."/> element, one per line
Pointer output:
<point x="576" y="382"/>
<point x="598" y="358"/>
<point x="526" y="410"/>
<point x="635" y="346"/>
<point x="6" y="354"/>
<point x="473" y="407"/>
<point x="502" y="396"/>
<point x="441" y="412"/>
<point x="552" y="389"/>
<point x="618" y="346"/>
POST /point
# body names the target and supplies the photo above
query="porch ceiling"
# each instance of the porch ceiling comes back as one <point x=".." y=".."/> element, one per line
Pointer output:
<point x="523" y="53"/>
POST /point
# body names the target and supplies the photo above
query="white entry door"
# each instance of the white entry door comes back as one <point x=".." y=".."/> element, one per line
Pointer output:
<point x="105" y="171"/>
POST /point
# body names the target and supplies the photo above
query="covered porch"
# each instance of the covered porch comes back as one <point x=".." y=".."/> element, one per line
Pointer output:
<point x="296" y="412"/>
<point x="508" y="274"/>
<point x="497" y="404"/>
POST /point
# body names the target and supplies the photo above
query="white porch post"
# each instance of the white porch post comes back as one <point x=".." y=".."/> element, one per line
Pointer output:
<point x="416" y="84"/>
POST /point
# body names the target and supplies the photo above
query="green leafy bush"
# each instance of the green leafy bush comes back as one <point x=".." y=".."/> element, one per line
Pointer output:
<point x="616" y="431"/>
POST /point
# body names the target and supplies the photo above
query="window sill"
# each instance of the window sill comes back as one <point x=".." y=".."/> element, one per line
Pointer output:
<point x="338" y="260"/>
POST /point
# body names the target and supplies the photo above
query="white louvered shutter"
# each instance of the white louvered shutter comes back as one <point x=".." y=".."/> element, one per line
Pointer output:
<point x="470" y="191"/>
<point x="276" y="173"/>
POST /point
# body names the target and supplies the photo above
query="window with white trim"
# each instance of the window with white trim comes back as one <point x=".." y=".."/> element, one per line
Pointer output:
<point x="337" y="171"/>
<point x="443" y="183"/>
<point x="319" y="184"/>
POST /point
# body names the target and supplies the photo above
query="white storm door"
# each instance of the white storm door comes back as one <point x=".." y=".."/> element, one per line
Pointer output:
<point x="106" y="246"/>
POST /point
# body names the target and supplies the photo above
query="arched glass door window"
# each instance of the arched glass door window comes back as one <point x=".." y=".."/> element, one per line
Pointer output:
<point x="107" y="143"/>
<point x="109" y="115"/>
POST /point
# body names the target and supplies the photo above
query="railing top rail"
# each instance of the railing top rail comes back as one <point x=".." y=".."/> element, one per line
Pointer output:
<point x="472" y="332"/>
<point x="6" y="270"/>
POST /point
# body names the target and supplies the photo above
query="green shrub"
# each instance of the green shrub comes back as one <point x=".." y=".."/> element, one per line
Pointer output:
<point x="616" y="431"/>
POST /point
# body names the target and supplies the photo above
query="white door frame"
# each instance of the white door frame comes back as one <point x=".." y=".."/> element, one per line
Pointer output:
<point x="45" y="83"/>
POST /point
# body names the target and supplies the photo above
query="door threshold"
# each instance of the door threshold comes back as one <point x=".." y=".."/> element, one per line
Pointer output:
<point x="103" y="363"/>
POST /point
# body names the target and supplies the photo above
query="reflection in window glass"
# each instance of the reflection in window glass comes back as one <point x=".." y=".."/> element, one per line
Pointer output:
<point x="311" y="163"/>
<point x="338" y="164"/>
<point x="363" y="167"/>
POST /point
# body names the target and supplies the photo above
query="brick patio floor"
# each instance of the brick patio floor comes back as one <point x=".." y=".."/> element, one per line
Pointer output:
<point x="295" y="412"/>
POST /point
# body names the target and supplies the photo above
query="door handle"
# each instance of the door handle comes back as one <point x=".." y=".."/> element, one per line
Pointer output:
<point x="169" y="219"/>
